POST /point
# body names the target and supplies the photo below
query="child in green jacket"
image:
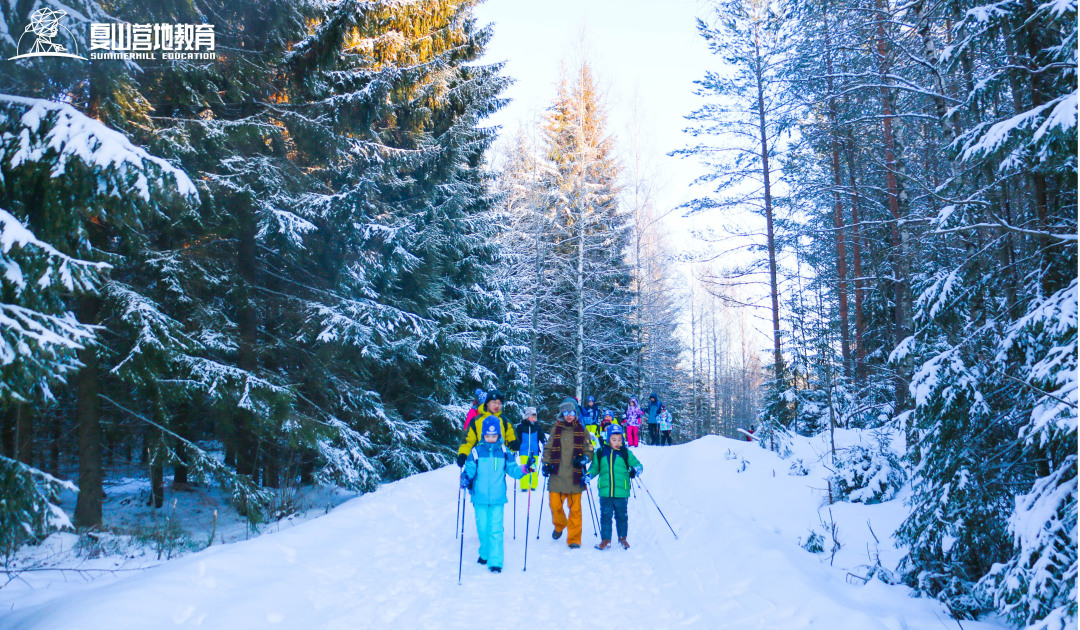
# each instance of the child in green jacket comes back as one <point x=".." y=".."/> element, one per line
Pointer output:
<point x="614" y="466"/>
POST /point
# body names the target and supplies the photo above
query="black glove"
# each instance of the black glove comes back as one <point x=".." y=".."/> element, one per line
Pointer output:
<point x="583" y="461"/>
<point x="461" y="457"/>
<point x="546" y="470"/>
<point x="633" y="473"/>
<point x="515" y="445"/>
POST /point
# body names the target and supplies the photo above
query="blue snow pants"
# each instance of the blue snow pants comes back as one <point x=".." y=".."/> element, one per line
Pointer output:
<point x="489" y="527"/>
<point x="616" y="507"/>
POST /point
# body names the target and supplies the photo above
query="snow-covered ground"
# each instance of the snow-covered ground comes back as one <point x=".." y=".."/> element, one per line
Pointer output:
<point x="389" y="559"/>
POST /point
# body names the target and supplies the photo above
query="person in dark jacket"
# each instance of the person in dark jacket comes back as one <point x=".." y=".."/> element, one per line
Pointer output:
<point x="532" y="439"/>
<point x="651" y="412"/>
<point x="614" y="466"/>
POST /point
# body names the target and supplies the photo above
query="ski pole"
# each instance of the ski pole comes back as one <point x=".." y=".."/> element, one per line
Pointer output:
<point x="588" y="498"/>
<point x="515" y="513"/>
<point x="458" y="518"/>
<point x="646" y="489"/>
<point x="461" y="549"/>
<point x="592" y="512"/>
<point x="528" y="506"/>
<point x="540" y="518"/>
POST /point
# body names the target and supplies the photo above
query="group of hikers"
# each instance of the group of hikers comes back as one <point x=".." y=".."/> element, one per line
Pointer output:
<point x="585" y="443"/>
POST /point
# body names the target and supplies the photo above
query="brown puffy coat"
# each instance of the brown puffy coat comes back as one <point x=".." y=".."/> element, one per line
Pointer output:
<point x="561" y="451"/>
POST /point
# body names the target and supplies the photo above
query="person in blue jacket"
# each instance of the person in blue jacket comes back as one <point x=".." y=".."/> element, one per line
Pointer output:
<point x="531" y="439"/>
<point x="590" y="416"/>
<point x="652" y="411"/>
<point x="485" y="476"/>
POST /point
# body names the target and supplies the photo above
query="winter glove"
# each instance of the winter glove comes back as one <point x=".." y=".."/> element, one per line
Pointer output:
<point x="531" y="462"/>
<point x="633" y="472"/>
<point x="582" y="461"/>
<point x="546" y="470"/>
<point x="515" y="445"/>
<point x="461" y="457"/>
<point x="465" y="481"/>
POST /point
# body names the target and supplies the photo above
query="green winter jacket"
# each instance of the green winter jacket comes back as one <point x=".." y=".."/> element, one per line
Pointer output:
<point x="612" y="471"/>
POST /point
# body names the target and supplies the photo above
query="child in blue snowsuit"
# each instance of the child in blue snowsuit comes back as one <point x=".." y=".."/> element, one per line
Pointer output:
<point x="485" y="475"/>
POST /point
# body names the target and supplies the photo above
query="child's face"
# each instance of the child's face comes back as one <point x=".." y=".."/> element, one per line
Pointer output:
<point x="494" y="406"/>
<point x="532" y="418"/>
<point x="616" y="441"/>
<point x="491" y="438"/>
<point x="608" y="419"/>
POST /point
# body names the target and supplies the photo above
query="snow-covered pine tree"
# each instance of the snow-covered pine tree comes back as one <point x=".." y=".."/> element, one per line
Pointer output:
<point x="750" y="111"/>
<point x="592" y="350"/>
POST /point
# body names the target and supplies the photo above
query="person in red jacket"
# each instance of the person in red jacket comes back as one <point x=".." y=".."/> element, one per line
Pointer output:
<point x="478" y="400"/>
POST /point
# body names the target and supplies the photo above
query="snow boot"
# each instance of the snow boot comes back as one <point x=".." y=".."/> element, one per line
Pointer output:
<point x="557" y="534"/>
<point x="604" y="544"/>
<point x="495" y="569"/>
<point x="574" y="546"/>
<point x="625" y="545"/>
<point x="481" y="561"/>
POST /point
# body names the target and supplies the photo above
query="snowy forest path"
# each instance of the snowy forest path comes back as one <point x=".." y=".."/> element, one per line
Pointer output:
<point x="389" y="560"/>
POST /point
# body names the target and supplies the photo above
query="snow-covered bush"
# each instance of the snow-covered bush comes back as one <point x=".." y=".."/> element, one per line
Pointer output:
<point x="28" y="505"/>
<point x="867" y="475"/>
<point x="798" y="469"/>
<point x="815" y="543"/>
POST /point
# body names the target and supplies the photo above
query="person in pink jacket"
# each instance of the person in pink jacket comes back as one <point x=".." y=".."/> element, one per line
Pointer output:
<point x="478" y="401"/>
<point x="633" y="417"/>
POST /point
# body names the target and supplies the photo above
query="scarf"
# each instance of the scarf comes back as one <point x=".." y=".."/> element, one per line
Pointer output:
<point x="556" y="446"/>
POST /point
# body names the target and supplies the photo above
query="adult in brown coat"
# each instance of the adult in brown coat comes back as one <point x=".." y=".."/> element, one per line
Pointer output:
<point x="567" y="452"/>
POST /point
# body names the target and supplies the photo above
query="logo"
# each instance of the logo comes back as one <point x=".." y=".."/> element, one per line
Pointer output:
<point x="123" y="40"/>
<point x="45" y="26"/>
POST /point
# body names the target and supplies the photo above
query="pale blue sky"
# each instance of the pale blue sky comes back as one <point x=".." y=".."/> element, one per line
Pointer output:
<point x="635" y="46"/>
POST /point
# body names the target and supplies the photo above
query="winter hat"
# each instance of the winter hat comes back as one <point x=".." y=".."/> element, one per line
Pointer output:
<point x="653" y="396"/>
<point x="481" y="395"/>
<point x="614" y="429"/>
<point x="607" y="412"/>
<point x="529" y="411"/>
<point x="491" y="426"/>
<point x="662" y="406"/>
<point x="569" y="405"/>
<point x="494" y="394"/>
<point x="591" y="399"/>
<point x="633" y="399"/>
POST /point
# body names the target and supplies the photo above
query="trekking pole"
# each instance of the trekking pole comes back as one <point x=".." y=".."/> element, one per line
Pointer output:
<point x="528" y="506"/>
<point x="643" y="487"/>
<point x="588" y="497"/>
<point x="540" y="518"/>
<point x="461" y="549"/>
<point x="458" y="518"/>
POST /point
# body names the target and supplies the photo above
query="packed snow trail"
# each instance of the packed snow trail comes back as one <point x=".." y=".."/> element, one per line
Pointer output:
<point x="389" y="560"/>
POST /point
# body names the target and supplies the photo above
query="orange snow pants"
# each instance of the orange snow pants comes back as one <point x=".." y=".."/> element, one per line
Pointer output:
<point x="559" y="518"/>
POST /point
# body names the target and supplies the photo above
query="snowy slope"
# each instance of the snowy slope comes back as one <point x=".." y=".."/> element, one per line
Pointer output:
<point x="389" y="560"/>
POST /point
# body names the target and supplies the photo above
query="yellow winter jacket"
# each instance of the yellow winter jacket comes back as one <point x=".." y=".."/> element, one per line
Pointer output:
<point x="472" y="436"/>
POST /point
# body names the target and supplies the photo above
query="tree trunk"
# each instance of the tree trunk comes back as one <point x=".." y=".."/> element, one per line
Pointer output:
<point x="898" y="251"/>
<point x="54" y="444"/>
<point x="579" y="349"/>
<point x="769" y="232"/>
<point x="247" y="357"/>
<point x="88" y="419"/>
<point x="24" y="434"/>
<point x="856" y="263"/>
<point x="838" y="213"/>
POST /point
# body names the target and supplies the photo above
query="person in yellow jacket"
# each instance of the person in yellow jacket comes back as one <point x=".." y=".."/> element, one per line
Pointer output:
<point x="492" y="407"/>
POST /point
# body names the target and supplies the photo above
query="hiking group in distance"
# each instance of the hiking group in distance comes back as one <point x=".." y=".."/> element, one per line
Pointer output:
<point x="585" y="443"/>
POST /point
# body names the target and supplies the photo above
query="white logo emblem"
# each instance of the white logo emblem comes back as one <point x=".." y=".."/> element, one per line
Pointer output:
<point x="45" y="25"/>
